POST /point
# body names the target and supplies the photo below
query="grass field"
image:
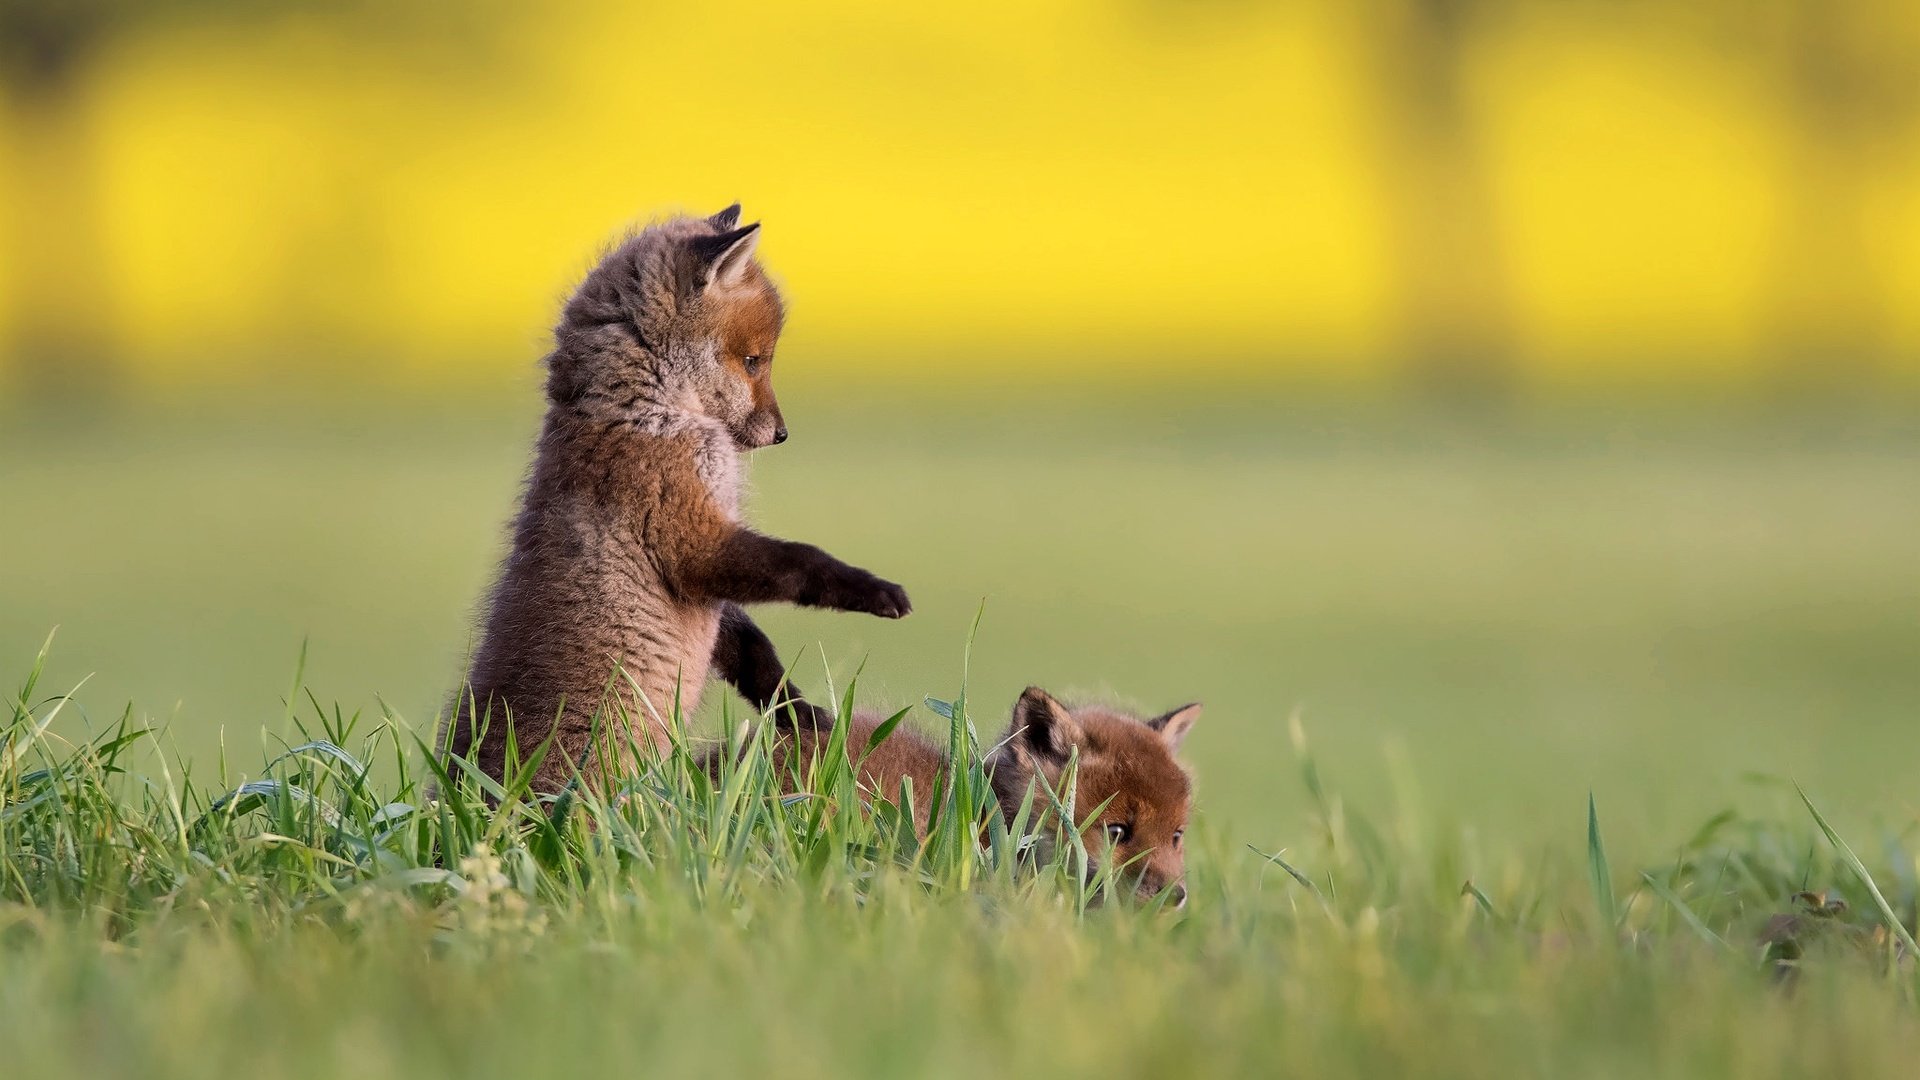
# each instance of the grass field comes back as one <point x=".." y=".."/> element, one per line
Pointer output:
<point x="1477" y="624"/>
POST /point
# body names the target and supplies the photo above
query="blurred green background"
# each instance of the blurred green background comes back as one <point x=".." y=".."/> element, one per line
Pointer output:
<point x="1523" y="392"/>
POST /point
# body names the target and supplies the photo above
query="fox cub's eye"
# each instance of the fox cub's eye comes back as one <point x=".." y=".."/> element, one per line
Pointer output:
<point x="753" y="363"/>
<point x="1118" y="832"/>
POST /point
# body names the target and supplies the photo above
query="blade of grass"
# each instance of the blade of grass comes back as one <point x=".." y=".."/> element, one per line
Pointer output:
<point x="1894" y="925"/>
<point x="1686" y="913"/>
<point x="1603" y="900"/>
<point x="1480" y="898"/>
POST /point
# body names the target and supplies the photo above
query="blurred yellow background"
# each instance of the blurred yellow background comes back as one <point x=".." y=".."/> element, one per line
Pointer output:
<point x="1450" y="191"/>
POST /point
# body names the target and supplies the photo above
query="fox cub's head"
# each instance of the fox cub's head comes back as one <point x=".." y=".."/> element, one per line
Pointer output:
<point x="1123" y="762"/>
<point x="680" y="316"/>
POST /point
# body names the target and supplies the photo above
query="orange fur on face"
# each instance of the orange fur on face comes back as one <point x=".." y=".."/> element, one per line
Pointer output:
<point x="749" y="322"/>
<point x="1125" y="764"/>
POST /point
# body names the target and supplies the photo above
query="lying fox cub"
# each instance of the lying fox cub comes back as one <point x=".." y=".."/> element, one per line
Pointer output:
<point x="1123" y="762"/>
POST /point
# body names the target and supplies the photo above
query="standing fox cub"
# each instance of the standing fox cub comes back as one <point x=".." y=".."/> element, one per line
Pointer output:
<point x="629" y="558"/>
<point x="1123" y="762"/>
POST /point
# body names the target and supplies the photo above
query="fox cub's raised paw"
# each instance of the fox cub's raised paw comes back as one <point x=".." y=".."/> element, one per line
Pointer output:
<point x="887" y="600"/>
<point x="873" y="595"/>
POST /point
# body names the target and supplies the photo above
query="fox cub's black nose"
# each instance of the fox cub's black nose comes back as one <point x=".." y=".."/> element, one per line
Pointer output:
<point x="780" y="434"/>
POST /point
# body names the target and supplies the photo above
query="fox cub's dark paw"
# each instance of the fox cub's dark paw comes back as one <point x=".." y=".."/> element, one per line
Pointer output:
<point x="891" y="601"/>
<point x="877" y="596"/>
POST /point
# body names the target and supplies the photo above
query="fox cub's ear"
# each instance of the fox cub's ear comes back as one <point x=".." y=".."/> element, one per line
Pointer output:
<point x="726" y="219"/>
<point x="1173" y="726"/>
<point x="1043" y="728"/>
<point x="721" y="261"/>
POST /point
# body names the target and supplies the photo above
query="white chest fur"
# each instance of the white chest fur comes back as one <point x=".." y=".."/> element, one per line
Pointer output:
<point x="716" y="460"/>
<point x="719" y="466"/>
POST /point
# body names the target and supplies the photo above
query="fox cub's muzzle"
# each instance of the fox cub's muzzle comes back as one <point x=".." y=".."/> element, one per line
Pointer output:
<point x="762" y="429"/>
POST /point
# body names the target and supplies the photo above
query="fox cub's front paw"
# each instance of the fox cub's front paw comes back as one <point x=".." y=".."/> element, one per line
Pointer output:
<point x="875" y="596"/>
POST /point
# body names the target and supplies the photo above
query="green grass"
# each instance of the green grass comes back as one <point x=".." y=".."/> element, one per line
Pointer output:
<point x="1570" y="665"/>
<point x="304" y="918"/>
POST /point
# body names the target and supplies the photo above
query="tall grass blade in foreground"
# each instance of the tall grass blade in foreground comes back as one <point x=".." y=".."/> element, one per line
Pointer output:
<point x="1599" y="874"/>
<point x="1853" y="863"/>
